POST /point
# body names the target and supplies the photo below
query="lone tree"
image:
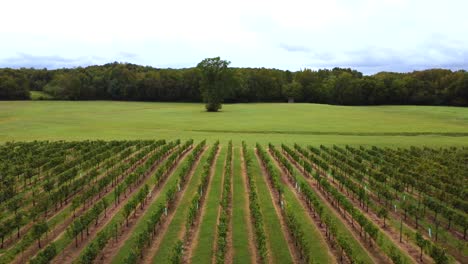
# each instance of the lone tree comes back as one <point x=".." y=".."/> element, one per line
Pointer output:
<point x="215" y="82"/>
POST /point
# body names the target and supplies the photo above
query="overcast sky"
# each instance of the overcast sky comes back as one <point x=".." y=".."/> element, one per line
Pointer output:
<point x="368" y="35"/>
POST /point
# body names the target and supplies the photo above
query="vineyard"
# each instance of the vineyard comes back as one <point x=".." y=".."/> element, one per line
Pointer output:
<point x="158" y="201"/>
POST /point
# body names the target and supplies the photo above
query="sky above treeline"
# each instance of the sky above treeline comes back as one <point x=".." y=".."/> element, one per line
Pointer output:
<point x="367" y="35"/>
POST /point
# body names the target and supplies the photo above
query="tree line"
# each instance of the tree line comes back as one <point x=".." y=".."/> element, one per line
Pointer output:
<point x="130" y="82"/>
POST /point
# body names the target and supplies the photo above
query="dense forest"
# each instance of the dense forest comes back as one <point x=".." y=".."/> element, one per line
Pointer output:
<point x="123" y="81"/>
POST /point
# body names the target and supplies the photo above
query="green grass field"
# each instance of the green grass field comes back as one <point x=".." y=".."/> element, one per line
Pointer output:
<point x="277" y="123"/>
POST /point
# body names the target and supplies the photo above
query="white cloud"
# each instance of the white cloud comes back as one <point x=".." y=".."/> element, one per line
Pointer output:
<point x="369" y="35"/>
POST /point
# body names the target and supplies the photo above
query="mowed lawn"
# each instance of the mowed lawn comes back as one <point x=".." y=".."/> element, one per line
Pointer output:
<point x="272" y="122"/>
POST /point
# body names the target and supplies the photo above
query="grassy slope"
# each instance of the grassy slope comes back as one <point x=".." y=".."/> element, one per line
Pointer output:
<point x="240" y="236"/>
<point x="277" y="123"/>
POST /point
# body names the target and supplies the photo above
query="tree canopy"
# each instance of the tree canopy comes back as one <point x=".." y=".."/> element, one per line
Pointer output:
<point x="216" y="78"/>
<point x="129" y="82"/>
